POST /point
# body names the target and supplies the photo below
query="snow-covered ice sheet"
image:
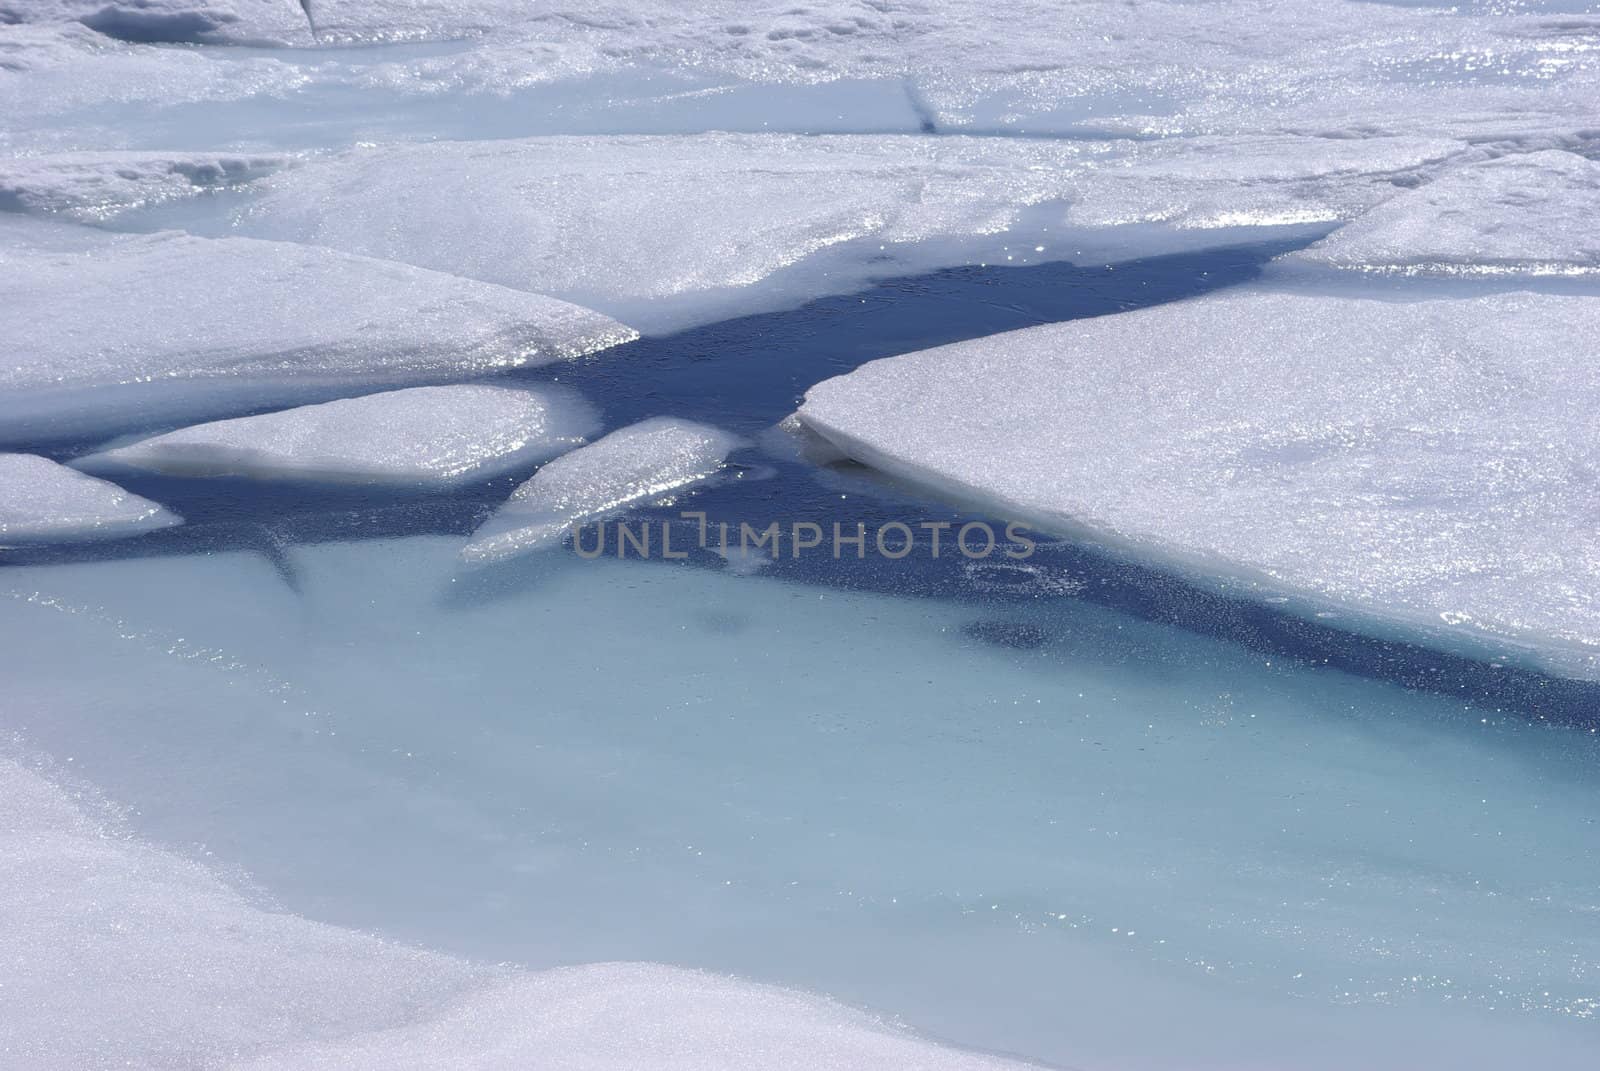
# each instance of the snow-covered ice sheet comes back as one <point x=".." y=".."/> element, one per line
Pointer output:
<point x="66" y="87"/>
<point x="663" y="230"/>
<point x="275" y="22"/>
<point x="174" y="21"/>
<point x="633" y="464"/>
<point x="97" y="186"/>
<point x="1215" y="183"/>
<point x="1143" y="68"/>
<point x="667" y="231"/>
<point x="120" y="953"/>
<point x="41" y="501"/>
<point x="1424" y="465"/>
<point x="1527" y="215"/>
<point x="422" y="436"/>
<point x="1038" y="851"/>
<point x="112" y="332"/>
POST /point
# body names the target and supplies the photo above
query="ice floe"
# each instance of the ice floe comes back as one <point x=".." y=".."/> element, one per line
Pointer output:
<point x="1416" y="466"/>
<point x="633" y="464"/>
<point x="1530" y="215"/>
<point x="41" y="501"/>
<point x="1213" y="183"/>
<point x="110" y="332"/>
<point x="662" y="229"/>
<point x="96" y="186"/>
<point x="422" y="436"/>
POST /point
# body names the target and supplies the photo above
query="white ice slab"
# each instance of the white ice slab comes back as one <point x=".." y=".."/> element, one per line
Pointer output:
<point x="1534" y="214"/>
<point x="1218" y="183"/>
<point x="632" y="464"/>
<point x="667" y="229"/>
<point x="96" y="186"/>
<point x="109" y="332"/>
<point x="1425" y="466"/>
<point x="433" y="436"/>
<point x="41" y="501"/>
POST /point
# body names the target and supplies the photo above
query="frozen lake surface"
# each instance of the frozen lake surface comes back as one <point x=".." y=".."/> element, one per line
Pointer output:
<point x="294" y="760"/>
<point x="1024" y="807"/>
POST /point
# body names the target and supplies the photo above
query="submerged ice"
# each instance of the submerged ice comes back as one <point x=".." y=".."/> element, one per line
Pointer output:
<point x="1422" y="465"/>
<point x="1034" y="850"/>
<point x="422" y="436"/>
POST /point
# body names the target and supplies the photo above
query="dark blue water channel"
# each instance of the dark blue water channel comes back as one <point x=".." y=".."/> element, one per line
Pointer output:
<point x="747" y="374"/>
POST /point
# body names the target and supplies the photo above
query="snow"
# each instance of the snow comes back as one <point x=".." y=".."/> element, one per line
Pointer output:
<point x="1527" y="215"/>
<point x="115" y="332"/>
<point x="43" y="501"/>
<point x="172" y="21"/>
<point x="645" y="1016"/>
<point x="120" y="953"/>
<point x="422" y="436"/>
<point x="1421" y="466"/>
<point x="633" y="464"/>
<point x="97" y="186"/>
<point x="273" y="22"/>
